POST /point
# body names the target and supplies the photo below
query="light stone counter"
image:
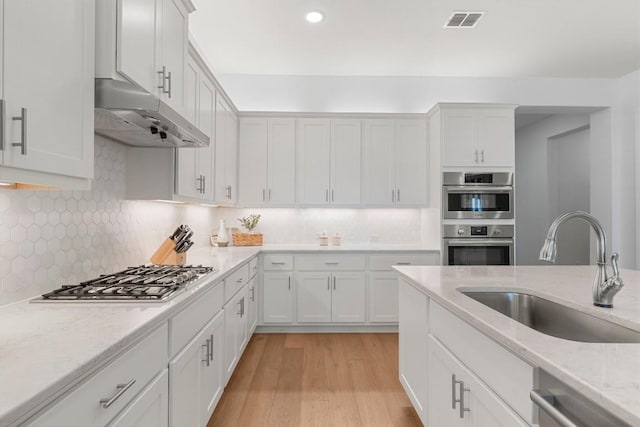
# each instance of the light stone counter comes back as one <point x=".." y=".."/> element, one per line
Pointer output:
<point x="47" y="348"/>
<point x="609" y="374"/>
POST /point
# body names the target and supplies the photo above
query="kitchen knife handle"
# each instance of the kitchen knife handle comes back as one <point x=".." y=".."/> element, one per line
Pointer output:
<point x="23" y="137"/>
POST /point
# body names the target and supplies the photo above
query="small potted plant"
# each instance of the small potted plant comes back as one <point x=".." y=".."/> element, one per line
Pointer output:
<point x="251" y="238"/>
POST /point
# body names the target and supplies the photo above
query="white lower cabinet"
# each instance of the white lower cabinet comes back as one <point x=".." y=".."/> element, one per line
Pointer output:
<point x="277" y="297"/>
<point x="252" y="306"/>
<point x="235" y="331"/>
<point x="337" y="297"/>
<point x="413" y="328"/>
<point x="150" y="408"/>
<point x="383" y="296"/>
<point x="195" y="375"/>
<point x="459" y="398"/>
<point x="115" y="387"/>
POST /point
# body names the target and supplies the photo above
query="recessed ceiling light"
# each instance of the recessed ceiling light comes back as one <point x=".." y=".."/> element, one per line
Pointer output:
<point x="314" y="17"/>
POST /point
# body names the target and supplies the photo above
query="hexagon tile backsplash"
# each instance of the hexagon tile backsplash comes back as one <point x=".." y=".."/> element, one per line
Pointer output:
<point x="51" y="238"/>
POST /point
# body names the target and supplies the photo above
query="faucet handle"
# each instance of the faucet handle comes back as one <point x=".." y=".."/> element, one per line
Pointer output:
<point x="614" y="264"/>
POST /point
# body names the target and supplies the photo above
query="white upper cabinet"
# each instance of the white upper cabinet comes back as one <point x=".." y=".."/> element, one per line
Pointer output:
<point x="194" y="178"/>
<point x="482" y="135"/>
<point x="313" y="164"/>
<point x="146" y="42"/>
<point x="266" y="162"/>
<point x="226" y="155"/>
<point x="47" y="122"/>
<point x="395" y="162"/>
<point x="328" y="162"/>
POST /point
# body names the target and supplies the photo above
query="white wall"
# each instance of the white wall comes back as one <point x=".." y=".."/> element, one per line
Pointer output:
<point x="533" y="212"/>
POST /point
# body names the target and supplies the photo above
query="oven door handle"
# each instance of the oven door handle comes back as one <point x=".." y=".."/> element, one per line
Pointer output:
<point x="477" y="189"/>
<point x="478" y="242"/>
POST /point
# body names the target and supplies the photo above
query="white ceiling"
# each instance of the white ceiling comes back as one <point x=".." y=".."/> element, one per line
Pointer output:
<point x="515" y="38"/>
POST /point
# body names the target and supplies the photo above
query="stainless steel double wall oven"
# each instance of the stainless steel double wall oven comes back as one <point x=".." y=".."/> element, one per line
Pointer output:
<point x="476" y="199"/>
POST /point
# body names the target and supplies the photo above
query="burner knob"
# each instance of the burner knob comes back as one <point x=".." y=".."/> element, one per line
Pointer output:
<point x="497" y="232"/>
<point x="460" y="231"/>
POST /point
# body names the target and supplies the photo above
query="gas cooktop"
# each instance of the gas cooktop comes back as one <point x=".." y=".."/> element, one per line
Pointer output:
<point x="143" y="283"/>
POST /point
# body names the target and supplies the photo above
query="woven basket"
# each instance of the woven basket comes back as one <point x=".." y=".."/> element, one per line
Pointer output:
<point x="247" y="239"/>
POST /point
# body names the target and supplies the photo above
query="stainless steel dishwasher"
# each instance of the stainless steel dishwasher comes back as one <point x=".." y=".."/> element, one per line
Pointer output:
<point x="561" y="406"/>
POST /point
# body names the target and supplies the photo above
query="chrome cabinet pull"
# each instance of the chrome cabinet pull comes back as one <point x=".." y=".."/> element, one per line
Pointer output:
<point x="199" y="186"/>
<point x="332" y="195"/>
<point x="328" y="283"/>
<point x="277" y="263"/>
<point x="169" y="78"/>
<point x="326" y="195"/>
<point x="211" y="343"/>
<point x="461" y="400"/>
<point x="242" y="301"/>
<point x="546" y="401"/>
<point x="253" y="293"/>
<point x="331" y="263"/>
<point x="240" y="308"/>
<point x="204" y="184"/>
<point x="240" y="280"/>
<point x="23" y="138"/>
<point x="482" y="156"/>
<point x="398" y="190"/>
<point x="121" y="389"/>
<point x="334" y="283"/>
<point x="393" y="196"/>
<point x="476" y="156"/>
<point x="453" y="391"/>
<point x="207" y="358"/>
<point x="289" y="282"/>
<point x="403" y="263"/>
<point x="2" y="110"/>
<point x="269" y="194"/>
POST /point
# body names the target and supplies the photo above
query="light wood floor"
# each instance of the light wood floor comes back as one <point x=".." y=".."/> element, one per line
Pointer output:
<point x="316" y="380"/>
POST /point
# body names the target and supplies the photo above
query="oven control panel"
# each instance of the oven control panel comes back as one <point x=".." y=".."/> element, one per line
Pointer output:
<point x="477" y="231"/>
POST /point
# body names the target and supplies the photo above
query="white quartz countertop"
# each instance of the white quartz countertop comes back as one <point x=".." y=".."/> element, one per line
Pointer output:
<point x="609" y="374"/>
<point x="48" y="347"/>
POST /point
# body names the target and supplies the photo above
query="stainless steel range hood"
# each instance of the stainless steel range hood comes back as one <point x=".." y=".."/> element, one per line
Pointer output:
<point x="131" y="115"/>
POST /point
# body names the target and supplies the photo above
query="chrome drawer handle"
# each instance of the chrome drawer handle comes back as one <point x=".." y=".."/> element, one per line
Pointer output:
<point x="403" y="263"/>
<point x="455" y="382"/>
<point x="207" y="358"/>
<point x="23" y="141"/>
<point x="545" y="401"/>
<point x="122" y="388"/>
<point x="277" y="263"/>
<point x="332" y="263"/>
<point x="240" y="280"/>
<point x="211" y="352"/>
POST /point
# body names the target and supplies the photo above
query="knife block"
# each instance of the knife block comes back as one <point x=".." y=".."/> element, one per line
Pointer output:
<point x="166" y="254"/>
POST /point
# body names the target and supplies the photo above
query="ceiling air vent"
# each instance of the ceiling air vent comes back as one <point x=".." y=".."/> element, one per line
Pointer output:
<point x="463" y="19"/>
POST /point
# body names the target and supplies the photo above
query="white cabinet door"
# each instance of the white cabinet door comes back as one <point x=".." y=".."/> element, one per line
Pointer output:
<point x="173" y="51"/>
<point x="314" y="297"/>
<point x="252" y="306"/>
<point x="196" y="376"/>
<point x="277" y="298"/>
<point x="413" y="328"/>
<point x="188" y="179"/>
<point x="281" y="162"/>
<point x="233" y="338"/>
<point x="136" y="40"/>
<point x="206" y="114"/>
<point x="348" y="300"/>
<point x="460" y="137"/>
<point x="226" y="145"/>
<point x="252" y="170"/>
<point x="442" y="410"/>
<point x="313" y="161"/>
<point x="459" y="398"/>
<point x="211" y="378"/>
<point x="383" y="296"/>
<point x="496" y="137"/>
<point x="150" y="408"/>
<point x="379" y="162"/>
<point x="346" y="160"/>
<point x="48" y="76"/>
<point x="411" y="163"/>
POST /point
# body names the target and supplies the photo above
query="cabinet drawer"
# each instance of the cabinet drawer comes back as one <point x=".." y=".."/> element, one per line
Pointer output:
<point x="253" y="267"/>
<point x="506" y="374"/>
<point x="134" y="370"/>
<point x="186" y="324"/>
<point x="276" y="262"/>
<point x="329" y="262"/>
<point x="235" y="281"/>
<point x="386" y="261"/>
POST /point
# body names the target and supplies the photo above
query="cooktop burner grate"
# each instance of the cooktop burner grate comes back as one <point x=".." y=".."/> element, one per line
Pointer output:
<point x="148" y="283"/>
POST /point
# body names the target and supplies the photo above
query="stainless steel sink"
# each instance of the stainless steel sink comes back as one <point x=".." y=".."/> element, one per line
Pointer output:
<point x="555" y="319"/>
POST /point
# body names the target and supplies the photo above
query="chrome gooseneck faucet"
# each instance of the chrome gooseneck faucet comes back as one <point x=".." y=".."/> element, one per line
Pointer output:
<point x="604" y="287"/>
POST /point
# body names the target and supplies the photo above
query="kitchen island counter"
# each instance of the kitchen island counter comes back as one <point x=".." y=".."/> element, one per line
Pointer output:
<point x="608" y="374"/>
